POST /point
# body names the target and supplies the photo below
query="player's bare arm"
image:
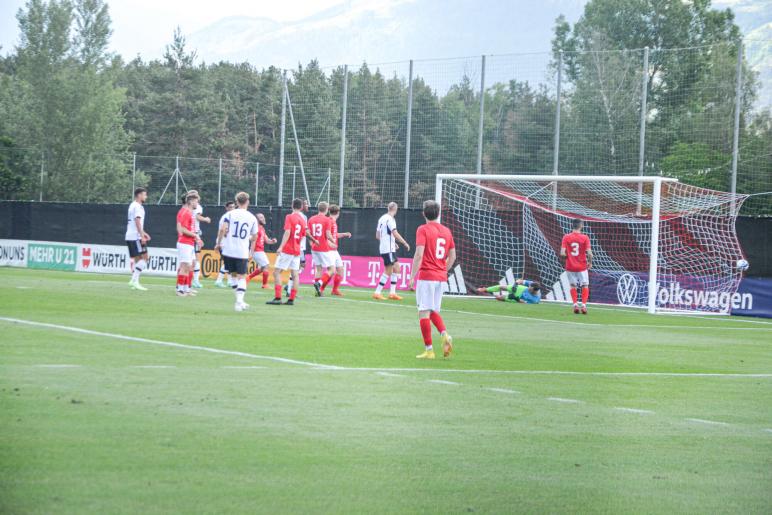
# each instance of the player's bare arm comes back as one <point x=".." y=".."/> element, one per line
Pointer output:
<point x="417" y="257"/>
<point x="202" y="218"/>
<point x="451" y="258"/>
<point x="183" y="231"/>
<point x="310" y="237"/>
<point x="589" y="259"/>
<point x="399" y="239"/>
<point x="145" y="236"/>
<point x="284" y="240"/>
<point x="269" y="241"/>
<point x="221" y="234"/>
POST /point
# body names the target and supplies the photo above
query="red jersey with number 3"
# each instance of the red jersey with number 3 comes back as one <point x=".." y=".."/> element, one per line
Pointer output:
<point x="437" y="242"/>
<point x="296" y="225"/>
<point x="318" y="225"/>
<point x="260" y="241"/>
<point x="185" y="219"/>
<point x="576" y="244"/>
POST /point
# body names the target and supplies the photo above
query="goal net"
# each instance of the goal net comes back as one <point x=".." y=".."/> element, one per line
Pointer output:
<point x="656" y="243"/>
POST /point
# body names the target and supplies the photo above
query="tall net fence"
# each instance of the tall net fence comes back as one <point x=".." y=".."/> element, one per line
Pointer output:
<point x="369" y="134"/>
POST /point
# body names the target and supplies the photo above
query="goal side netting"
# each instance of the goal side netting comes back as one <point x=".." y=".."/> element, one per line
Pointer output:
<point x="509" y="227"/>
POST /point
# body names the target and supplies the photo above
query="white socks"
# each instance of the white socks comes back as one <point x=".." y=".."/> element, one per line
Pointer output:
<point x="139" y="266"/>
<point x="393" y="289"/>
<point x="241" y="288"/>
<point x="382" y="283"/>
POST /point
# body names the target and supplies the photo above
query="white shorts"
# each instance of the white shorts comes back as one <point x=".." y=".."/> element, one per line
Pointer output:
<point x="186" y="253"/>
<point x="322" y="259"/>
<point x="260" y="258"/>
<point x="428" y="295"/>
<point x="335" y="259"/>
<point x="578" y="278"/>
<point x="287" y="262"/>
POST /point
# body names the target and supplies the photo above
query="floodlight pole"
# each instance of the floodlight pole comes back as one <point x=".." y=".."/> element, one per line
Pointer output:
<point x="257" y="180"/>
<point x="408" y="134"/>
<point x="283" y="132"/>
<point x="42" y="173"/>
<point x="133" y="172"/>
<point x="642" y="140"/>
<point x="343" y="136"/>
<point x="219" y="184"/>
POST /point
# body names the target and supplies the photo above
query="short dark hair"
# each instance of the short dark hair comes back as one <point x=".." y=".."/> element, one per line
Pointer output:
<point x="139" y="190"/>
<point x="334" y="209"/>
<point x="297" y="203"/>
<point x="576" y="223"/>
<point x="431" y="210"/>
<point x="230" y="203"/>
<point x="536" y="286"/>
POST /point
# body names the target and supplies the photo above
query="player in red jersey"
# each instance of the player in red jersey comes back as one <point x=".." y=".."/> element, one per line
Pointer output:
<point x="319" y="226"/>
<point x="435" y="253"/>
<point x="258" y="253"/>
<point x="335" y="254"/>
<point x="186" y="241"/>
<point x="575" y="249"/>
<point x="295" y="230"/>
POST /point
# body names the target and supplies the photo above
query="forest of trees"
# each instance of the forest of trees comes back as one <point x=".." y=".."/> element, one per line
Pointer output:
<point x="69" y="104"/>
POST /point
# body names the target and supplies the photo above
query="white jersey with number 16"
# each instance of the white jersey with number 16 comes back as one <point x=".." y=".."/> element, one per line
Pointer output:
<point x="242" y="225"/>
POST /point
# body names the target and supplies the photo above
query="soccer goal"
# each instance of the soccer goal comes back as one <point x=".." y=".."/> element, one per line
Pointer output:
<point x="657" y="243"/>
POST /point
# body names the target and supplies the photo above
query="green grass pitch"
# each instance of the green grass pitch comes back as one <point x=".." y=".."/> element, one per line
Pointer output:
<point x="323" y="408"/>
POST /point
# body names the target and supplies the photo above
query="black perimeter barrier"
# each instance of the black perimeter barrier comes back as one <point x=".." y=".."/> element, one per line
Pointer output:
<point x="105" y="224"/>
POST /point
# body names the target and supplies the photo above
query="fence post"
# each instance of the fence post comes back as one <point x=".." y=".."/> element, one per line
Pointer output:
<point x="293" y="181"/>
<point x="642" y="141"/>
<point x="257" y="180"/>
<point x="133" y="172"/>
<point x="556" y="137"/>
<point x="329" y="184"/>
<point x="737" y="106"/>
<point x="42" y="171"/>
<point x="482" y="118"/>
<point x="219" y="184"/>
<point x="408" y="134"/>
<point x="283" y="131"/>
<point x="177" y="180"/>
<point x="343" y="136"/>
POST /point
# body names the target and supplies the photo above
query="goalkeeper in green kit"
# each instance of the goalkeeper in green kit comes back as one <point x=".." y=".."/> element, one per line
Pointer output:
<point x="522" y="291"/>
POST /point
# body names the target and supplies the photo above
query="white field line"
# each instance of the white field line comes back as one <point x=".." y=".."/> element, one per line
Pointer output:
<point x="703" y="421"/>
<point x="154" y="366"/>
<point x="440" y="381"/>
<point x="566" y="322"/>
<point x="164" y="343"/>
<point x="502" y="390"/>
<point x="634" y="410"/>
<point x="58" y="366"/>
<point x="244" y="368"/>
<point x="320" y="366"/>
<point x="768" y="430"/>
<point x="567" y="401"/>
<point x="389" y="374"/>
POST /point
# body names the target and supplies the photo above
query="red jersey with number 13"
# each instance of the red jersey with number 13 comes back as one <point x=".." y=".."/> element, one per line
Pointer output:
<point x="437" y="242"/>
<point x="296" y="225"/>
<point x="576" y="244"/>
<point x="185" y="219"/>
<point x="319" y="225"/>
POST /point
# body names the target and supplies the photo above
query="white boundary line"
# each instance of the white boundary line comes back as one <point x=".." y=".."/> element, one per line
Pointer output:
<point x="320" y="366"/>
<point x="710" y="422"/>
<point x="566" y="401"/>
<point x="568" y="322"/>
<point x="635" y="410"/>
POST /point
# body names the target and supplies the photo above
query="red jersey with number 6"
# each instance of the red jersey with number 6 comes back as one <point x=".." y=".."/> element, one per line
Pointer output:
<point x="296" y="225"/>
<point x="576" y="244"/>
<point x="318" y="225"/>
<point x="437" y="242"/>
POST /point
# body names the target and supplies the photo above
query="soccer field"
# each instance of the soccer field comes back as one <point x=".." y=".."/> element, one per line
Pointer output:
<point x="117" y="401"/>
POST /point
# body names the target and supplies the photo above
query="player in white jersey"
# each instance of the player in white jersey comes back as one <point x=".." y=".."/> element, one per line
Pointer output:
<point x="137" y="238"/>
<point x="236" y="238"/>
<point x="198" y="217"/>
<point x="229" y="206"/>
<point x="388" y="236"/>
<point x="303" y="247"/>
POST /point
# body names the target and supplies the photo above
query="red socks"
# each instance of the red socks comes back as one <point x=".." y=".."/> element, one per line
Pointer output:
<point x="181" y="279"/>
<point x="437" y="321"/>
<point x="585" y="294"/>
<point x="574" y="296"/>
<point x="190" y="278"/>
<point x="265" y="278"/>
<point x="426" y="331"/>
<point x="254" y="274"/>
<point x="293" y="294"/>
<point x="326" y="281"/>
<point x="336" y="283"/>
<point x="277" y="291"/>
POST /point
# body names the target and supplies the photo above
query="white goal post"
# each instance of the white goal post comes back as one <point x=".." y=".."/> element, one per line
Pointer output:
<point x="658" y="243"/>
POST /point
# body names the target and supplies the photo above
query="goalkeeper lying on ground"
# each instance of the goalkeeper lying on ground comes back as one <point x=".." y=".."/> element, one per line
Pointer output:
<point x="522" y="291"/>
